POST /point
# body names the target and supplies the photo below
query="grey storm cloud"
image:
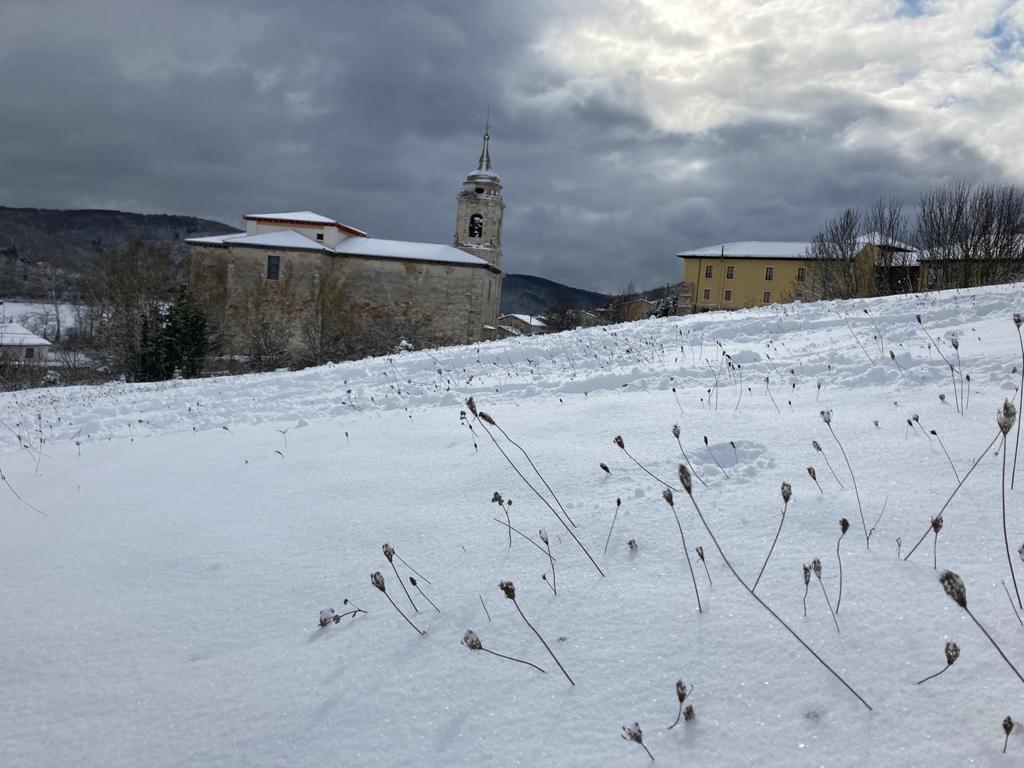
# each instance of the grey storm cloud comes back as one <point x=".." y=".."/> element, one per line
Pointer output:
<point x="623" y="130"/>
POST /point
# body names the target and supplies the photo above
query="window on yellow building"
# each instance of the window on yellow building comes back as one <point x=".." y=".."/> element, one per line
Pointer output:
<point x="730" y="273"/>
<point x="769" y="273"/>
<point x="728" y="294"/>
<point x="801" y="275"/>
<point x="708" y="271"/>
<point x="707" y="292"/>
<point x="767" y="298"/>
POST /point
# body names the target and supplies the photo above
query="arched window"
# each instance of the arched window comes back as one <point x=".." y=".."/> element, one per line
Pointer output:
<point x="476" y="225"/>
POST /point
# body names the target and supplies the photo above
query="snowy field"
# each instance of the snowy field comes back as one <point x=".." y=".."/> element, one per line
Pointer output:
<point x="161" y="607"/>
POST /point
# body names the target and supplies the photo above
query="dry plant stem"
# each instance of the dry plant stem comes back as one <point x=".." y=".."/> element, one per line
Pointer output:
<point x="546" y="502"/>
<point x="818" y="484"/>
<point x="960" y="370"/>
<point x="485" y="607"/>
<point x="508" y="522"/>
<point x="860" y="509"/>
<point x="614" y="518"/>
<point x="829" y="465"/>
<point x="418" y="589"/>
<point x="958" y="487"/>
<point x="554" y="581"/>
<point x="528" y="459"/>
<point x="516" y="604"/>
<point x="402" y="614"/>
<point x="839" y="600"/>
<point x="807" y="586"/>
<point x="772" y="548"/>
<point x="417" y="610"/>
<point x="1006" y="538"/>
<point x="956" y="400"/>
<point x="710" y="583"/>
<point x="1019" y="621"/>
<point x="774" y="615"/>
<point x="512" y="658"/>
<point x="869" y="357"/>
<point x="690" y="464"/>
<point x="951" y="464"/>
<point x="1020" y="408"/>
<point x="931" y="677"/>
<point x="516" y="530"/>
<point x="688" y="563"/>
<point x="412" y="569"/>
<point x="18" y="495"/>
<point x="935" y="551"/>
<point x="994" y="644"/>
<point x="825" y="593"/>
<point x="645" y="469"/>
<point x="768" y="389"/>
<point x="719" y="465"/>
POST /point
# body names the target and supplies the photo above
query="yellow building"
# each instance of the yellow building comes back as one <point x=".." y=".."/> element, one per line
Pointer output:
<point x="756" y="273"/>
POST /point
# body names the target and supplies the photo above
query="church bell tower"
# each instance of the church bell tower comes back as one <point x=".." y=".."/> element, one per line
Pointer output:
<point x="480" y="209"/>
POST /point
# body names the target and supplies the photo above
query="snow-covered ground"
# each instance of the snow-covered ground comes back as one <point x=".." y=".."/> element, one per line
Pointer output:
<point x="164" y="610"/>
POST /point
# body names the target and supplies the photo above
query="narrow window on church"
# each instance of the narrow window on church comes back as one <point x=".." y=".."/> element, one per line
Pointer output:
<point x="273" y="267"/>
<point x="476" y="225"/>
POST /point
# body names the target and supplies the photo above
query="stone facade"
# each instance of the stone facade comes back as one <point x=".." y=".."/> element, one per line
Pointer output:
<point x="290" y="276"/>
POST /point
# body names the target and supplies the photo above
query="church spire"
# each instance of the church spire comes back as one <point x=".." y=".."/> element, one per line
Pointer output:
<point x="485" y="153"/>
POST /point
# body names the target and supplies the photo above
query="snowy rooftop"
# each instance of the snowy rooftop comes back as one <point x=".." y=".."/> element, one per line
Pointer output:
<point x="399" y="249"/>
<point x="536" y="322"/>
<point x="306" y="216"/>
<point x="284" y="238"/>
<point x="14" y="335"/>
<point x="771" y="249"/>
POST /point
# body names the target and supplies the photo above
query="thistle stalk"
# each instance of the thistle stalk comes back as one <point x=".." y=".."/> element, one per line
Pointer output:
<point x="844" y="526"/>
<point x="1017" y="320"/>
<point x="688" y="486"/>
<point x="667" y="495"/>
<point x="816" y="567"/>
<point x="618" y="505"/>
<point x="676" y="433"/>
<point x="389" y="553"/>
<point x="952" y="654"/>
<point x="1005" y="419"/>
<point x="819" y="449"/>
<point x="508" y="588"/>
<point x="377" y="579"/>
<point x="787" y="492"/>
<point x="471" y="641"/>
<point x="826" y="416"/>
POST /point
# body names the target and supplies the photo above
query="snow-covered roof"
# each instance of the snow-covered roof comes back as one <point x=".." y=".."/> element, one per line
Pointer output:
<point x="303" y="217"/>
<point x="530" y="320"/>
<point x="751" y="249"/>
<point x="769" y="249"/>
<point x="282" y="238"/>
<point x="306" y="216"/>
<point x="399" y="249"/>
<point x="14" y="335"/>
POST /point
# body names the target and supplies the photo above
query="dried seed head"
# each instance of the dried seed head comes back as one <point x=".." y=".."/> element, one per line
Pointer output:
<point x="543" y="535"/>
<point x="632" y="546"/>
<point x="954" y="587"/>
<point x="1020" y="551"/>
<point x="817" y="446"/>
<point x="1007" y="725"/>
<point x="807" y="575"/>
<point x="826" y="415"/>
<point x="326" y="616"/>
<point x="389" y="552"/>
<point x="952" y="653"/>
<point x="787" y="492"/>
<point x="937" y="524"/>
<point x="918" y="319"/>
<point x="812" y="473"/>
<point x="681" y="691"/>
<point x="816" y="567"/>
<point x="688" y="713"/>
<point x="667" y="496"/>
<point x="675" y="431"/>
<point x="377" y="580"/>
<point x="942" y="397"/>
<point x="496" y="498"/>
<point x="471" y="641"/>
<point x="700" y="552"/>
<point x="412" y="580"/>
<point x="1006" y="417"/>
<point x="618" y="503"/>
<point x="633" y="733"/>
<point x="618" y="441"/>
<point x="955" y="342"/>
<point x="486" y="417"/>
<point x="705" y="439"/>
<point x="844" y="526"/>
<point x="509" y="589"/>
<point x="684" y="478"/>
<point x="471" y="404"/>
<point x="892" y="355"/>
<point x="1017" y="320"/>
<point x="605" y="468"/>
<point x="916" y="418"/>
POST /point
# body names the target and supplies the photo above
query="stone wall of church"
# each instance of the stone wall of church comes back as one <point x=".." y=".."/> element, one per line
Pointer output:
<point x="426" y="303"/>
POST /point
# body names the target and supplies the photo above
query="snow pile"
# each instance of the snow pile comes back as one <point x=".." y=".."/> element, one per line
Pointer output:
<point x="194" y="592"/>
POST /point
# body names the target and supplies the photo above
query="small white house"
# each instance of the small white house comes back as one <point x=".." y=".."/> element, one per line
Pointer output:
<point x="18" y="343"/>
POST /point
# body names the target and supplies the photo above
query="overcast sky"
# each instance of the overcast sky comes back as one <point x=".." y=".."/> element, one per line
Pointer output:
<point x="623" y="130"/>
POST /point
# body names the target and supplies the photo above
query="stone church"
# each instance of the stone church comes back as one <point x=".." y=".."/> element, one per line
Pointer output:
<point x="303" y="285"/>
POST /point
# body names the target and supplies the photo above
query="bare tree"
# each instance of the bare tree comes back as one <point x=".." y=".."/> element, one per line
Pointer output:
<point x="831" y="253"/>
<point x="887" y="230"/>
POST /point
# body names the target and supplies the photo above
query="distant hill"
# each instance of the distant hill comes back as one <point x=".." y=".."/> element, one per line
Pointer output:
<point x="529" y="295"/>
<point x="66" y="238"/>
